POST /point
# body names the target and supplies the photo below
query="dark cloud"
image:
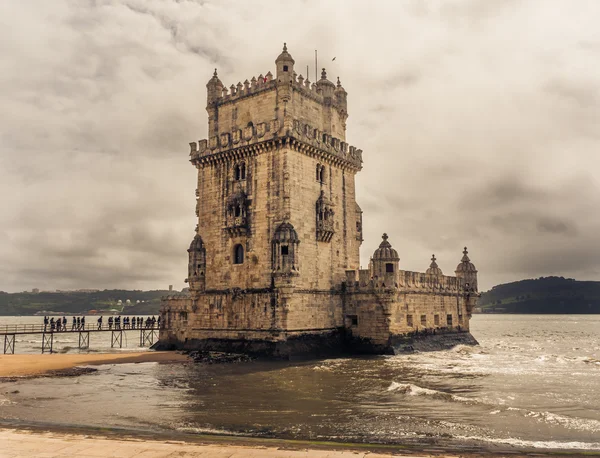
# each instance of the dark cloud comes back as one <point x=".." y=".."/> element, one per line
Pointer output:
<point x="478" y="121"/>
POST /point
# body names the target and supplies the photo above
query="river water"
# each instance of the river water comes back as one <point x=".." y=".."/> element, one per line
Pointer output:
<point x="533" y="382"/>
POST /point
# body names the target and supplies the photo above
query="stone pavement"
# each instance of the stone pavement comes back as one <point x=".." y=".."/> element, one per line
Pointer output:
<point x="20" y="443"/>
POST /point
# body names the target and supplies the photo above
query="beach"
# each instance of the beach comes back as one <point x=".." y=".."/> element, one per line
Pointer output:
<point x="61" y="444"/>
<point x="33" y="365"/>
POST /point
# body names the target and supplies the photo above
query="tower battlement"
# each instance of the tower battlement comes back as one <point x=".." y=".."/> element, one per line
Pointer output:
<point x="285" y="97"/>
<point x="260" y="83"/>
<point x="314" y="142"/>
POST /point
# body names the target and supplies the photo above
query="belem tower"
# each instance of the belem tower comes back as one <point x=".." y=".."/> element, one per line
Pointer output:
<point x="274" y="265"/>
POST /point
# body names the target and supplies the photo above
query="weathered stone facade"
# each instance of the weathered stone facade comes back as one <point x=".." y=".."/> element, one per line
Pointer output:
<point x="274" y="265"/>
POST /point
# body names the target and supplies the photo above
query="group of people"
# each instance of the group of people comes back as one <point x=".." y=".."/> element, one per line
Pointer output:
<point x="130" y="322"/>
<point x="78" y="323"/>
<point x="60" y="324"/>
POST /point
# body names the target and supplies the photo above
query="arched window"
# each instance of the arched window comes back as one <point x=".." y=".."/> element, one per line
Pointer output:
<point x="320" y="173"/>
<point x="238" y="254"/>
<point x="240" y="172"/>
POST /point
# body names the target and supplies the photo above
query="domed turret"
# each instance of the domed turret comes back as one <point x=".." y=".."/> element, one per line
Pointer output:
<point x="433" y="267"/>
<point x="214" y="88"/>
<point x="385" y="252"/>
<point x="326" y="87"/>
<point x="385" y="261"/>
<point x="467" y="272"/>
<point x="341" y="96"/>
<point x="465" y="263"/>
<point x="196" y="264"/>
<point x="285" y="66"/>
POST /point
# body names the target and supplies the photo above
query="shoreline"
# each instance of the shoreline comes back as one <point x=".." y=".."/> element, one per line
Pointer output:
<point x="38" y="365"/>
<point x="31" y="440"/>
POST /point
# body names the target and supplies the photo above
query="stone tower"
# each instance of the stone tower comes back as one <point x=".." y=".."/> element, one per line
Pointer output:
<point x="277" y="216"/>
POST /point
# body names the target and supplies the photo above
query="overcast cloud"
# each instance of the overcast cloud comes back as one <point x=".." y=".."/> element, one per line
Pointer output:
<point x="479" y="121"/>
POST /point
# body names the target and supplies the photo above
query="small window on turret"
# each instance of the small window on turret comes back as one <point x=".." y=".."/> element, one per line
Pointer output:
<point x="284" y="250"/>
<point x="389" y="267"/>
<point x="285" y="68"/>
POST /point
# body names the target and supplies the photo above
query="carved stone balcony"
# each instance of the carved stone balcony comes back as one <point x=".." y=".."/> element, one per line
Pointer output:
<point x="325" y="230"/>
<point x="237" y="225"/>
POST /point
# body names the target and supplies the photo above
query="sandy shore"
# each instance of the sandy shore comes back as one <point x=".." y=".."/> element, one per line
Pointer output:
<point x="28" y="365"/>
<point x="37" y="444"/>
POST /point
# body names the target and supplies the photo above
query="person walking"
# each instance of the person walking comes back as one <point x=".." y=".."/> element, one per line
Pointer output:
<point x="52" y="324"/>
<point x="74" y="325"/>
<point x="46" y="321"/>
<point x="83" y="323"/>
<point x="64" y="323"/>
<point x="100" y="323"/>
<point x="78" y="323"/>
<point x="110" y="322"/>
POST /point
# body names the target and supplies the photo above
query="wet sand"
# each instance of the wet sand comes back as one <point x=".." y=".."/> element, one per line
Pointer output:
<point x="32" y="365"/>
<point x="59" y="444"/>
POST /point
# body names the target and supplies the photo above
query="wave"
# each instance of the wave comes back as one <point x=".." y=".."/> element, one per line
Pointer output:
<point x="573" y="445"/>
<point x="415" y="390"/>
<point x="222" y="432"/>
<point x="580" y="424"/>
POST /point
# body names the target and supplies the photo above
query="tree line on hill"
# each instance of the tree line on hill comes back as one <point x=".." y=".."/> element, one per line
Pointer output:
<point x="78" y="302"/>
<point x="543" y="295"/>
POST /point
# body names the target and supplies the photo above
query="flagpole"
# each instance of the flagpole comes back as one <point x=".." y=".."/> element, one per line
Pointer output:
<point x="316" y="66"/>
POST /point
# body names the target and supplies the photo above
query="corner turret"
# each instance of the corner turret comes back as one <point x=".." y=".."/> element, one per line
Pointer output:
<point x="285" y="66"/>
<point x="214" y="88"/>
<point x="341" y="99"/>
<point x="326" y="87"/>
<point x="385" y="263"/>
<point x="467" y="272"/>
<point x="196" y="265"/>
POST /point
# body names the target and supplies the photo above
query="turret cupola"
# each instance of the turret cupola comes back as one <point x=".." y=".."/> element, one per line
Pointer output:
<point x="214" y="88"/>
<point x="285" y="66"/>
<point x="326" y="87"/>
<point x="467" y="272"/>
<point x="385" y="259"/>
<point x="433" y="267"/>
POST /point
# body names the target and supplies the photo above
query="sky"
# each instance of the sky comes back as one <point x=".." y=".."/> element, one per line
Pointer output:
<point x="479" y="122"/>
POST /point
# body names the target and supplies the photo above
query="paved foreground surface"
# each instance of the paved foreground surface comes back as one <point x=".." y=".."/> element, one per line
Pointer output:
<point x="20" y="443"/>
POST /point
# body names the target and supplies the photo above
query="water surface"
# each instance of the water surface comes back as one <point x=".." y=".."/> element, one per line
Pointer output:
<point x="533" y="382"/>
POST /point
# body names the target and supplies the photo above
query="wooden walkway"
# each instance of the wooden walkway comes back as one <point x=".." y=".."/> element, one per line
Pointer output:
<point x="148" y="334"/>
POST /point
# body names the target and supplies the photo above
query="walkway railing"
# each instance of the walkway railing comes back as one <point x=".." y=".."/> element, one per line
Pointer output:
<point x="148" y="333"/>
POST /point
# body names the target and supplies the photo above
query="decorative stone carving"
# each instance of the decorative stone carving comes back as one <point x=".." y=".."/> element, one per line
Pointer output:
<point x="324" y="215"/>
<point x="237" y="213"/>
<point x="284" y="250"/>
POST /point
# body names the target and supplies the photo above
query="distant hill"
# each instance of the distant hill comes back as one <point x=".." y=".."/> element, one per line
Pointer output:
<point x="77" y="302"/>
<point x="543" y="295"/>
